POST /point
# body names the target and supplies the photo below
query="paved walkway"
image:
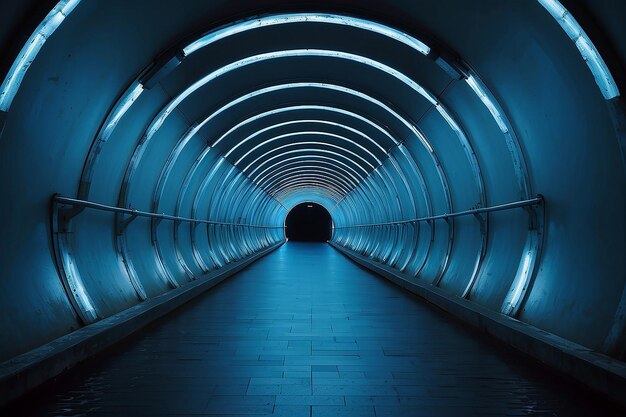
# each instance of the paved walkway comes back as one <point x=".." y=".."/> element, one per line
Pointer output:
<point x="305" y="332"/>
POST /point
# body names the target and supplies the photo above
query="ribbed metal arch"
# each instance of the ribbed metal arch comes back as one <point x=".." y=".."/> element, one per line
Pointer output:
<point x="311" y="145"/>
<point x="317" y="164"/>
<point x="310" y="151"/>
<point x="337" y="181"/>
<point x="335" y="111"/>
<point x="316" y="186"/>
<point x="310" y="179"/>
<point x="298" y="171"/>
<point x="323" y="123"/>
<point x="353" y="173"/>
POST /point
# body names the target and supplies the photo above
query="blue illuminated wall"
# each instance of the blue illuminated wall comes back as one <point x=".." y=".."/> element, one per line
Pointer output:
<point x="472" y="146"/>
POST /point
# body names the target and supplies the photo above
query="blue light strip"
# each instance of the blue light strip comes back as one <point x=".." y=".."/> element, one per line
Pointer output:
<point x="313" y="158"/>
<point x="307" y="18"/>
<point x="253" y="163"/>
<point x="156" y="124"/>
<point x="120" y="109"/>
<point x="328" y="86"/>
<point x="332" y="184"/>
<point x="297" y="166"/>
<point x="294" y="134"/>
<point x="309" y="154"/>
<point x="301" y="173"/>
<point x="327" y="187"/>
<point x="297" y="195"/>
<point x="315" y="107"/>
<point x="310" y="121"/>
<point x="481" y="91"/>
<point x="27" y="55"/>
<point x="587" y="49"/>
<point x="284" y="193"/>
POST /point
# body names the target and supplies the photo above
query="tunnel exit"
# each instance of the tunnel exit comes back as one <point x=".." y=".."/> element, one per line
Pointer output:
<point x="308" y="222"/>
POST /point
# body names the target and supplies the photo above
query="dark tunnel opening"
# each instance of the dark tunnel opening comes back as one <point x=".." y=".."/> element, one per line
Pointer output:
<point x="308" y="222"/>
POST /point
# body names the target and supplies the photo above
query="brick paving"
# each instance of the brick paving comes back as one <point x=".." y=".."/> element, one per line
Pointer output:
<point x="305" y="332"/>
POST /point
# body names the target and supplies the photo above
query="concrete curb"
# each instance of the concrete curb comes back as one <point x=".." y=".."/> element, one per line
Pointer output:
<point x="598" y="372"/>
<point x="29" y="370"/>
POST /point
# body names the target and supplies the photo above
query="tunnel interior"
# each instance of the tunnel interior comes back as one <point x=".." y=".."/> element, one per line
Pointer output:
<point x="308" y="222"/>
<point x="468" y="147"/>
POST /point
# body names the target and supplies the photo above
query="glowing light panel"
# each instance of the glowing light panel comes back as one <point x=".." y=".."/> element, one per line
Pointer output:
<point x="306" y="158"/>
<point x="306" y="168"/>
<point x="587" y="50"/>
<point x="253" y="163"/>
<point x="332" y="87"/>
<point x="314" y="151"/>
<point x="156" y="124"/>
<point x="305" y="133"/>
<point x="316" y="107"/>
<point x="120" y="109"/>
<point x="306" y="174"/>
<point x="480" y="91"/>
<point x="302" y="121"/>
<point x="307" y="18"/>
<point x="27" y="55"/>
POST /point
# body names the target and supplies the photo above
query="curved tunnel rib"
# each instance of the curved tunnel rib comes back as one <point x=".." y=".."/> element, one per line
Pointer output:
<point x="428" y="165"/>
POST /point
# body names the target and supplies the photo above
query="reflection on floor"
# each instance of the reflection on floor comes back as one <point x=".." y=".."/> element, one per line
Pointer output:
<point x="305" y="332"/>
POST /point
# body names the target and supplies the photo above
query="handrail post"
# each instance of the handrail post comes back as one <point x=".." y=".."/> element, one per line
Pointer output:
<point x="122" y="224"/>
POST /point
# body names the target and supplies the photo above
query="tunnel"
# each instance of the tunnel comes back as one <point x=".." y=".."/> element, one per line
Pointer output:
<point x="460" y="165"/>
<point x="308" y="222"/>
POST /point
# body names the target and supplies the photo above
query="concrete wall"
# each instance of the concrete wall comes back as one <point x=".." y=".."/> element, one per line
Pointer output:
<point x="364" y="120"/>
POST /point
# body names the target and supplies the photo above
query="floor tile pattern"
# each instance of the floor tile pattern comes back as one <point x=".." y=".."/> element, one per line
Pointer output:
<point x="305" y="332"/>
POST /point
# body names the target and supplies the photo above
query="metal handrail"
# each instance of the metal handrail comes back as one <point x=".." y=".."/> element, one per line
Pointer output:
<point x="138" y="213"/>
<point x="507" y="206"/>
